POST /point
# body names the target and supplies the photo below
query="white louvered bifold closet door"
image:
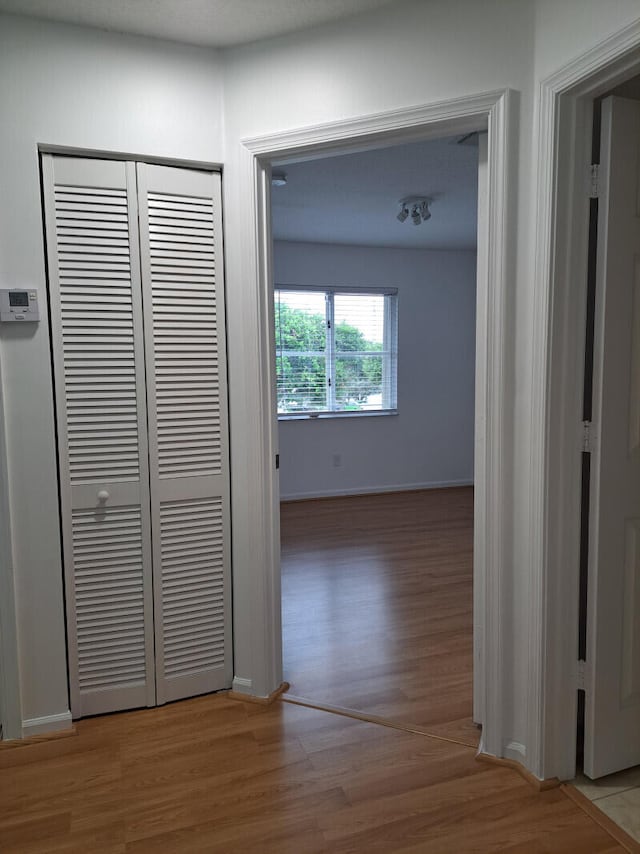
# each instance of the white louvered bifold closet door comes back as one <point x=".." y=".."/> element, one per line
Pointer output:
<point x="96" y="317"/>
<point x="182" y="276"/>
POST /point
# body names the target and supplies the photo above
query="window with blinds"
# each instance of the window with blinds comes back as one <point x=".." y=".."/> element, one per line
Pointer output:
<point x="336" y="350"/>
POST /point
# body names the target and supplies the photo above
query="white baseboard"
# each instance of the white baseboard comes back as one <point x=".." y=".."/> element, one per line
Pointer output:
<point x="372" y="490"/>
<point x="49" y="723"/>
<point x="242" y="686"/>
<point x="515" y="750"/>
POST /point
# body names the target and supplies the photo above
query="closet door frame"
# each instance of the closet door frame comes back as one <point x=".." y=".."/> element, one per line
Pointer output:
<point x="131" y="159"/>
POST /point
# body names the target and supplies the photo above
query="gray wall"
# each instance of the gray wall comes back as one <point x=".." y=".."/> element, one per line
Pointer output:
<point x="430" y="441"/>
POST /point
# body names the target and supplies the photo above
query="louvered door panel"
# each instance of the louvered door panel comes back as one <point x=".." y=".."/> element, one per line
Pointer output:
<point x="96" y="314"/>
<point x="193" y="591"/>
<point x="184" y="308"/>
<point x="109" y="594"/>
<point x="181" y="255"/>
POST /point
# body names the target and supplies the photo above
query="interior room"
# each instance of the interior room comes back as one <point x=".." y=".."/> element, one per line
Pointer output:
<point x="144" y="649"/>
<point x="364" y="622"/>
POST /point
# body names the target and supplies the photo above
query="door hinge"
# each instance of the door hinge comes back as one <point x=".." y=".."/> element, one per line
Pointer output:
<point x="594" y="180"/>
<point x="277" y="461"/>
<point x="586" y="437"/>
<point x="581" y="675"/>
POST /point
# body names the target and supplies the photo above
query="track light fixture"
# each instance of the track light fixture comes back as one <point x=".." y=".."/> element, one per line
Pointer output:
<point x="417" y="206"/>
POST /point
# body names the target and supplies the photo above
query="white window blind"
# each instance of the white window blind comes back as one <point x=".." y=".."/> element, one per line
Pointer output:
<point x="336" y="350"/>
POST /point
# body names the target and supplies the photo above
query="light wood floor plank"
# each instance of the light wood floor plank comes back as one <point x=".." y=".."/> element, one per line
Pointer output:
<point x="225" y="777"/>
<point x="378" y="606"/>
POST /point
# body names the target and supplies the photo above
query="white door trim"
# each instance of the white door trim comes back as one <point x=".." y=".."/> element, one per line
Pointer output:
<point x="10" y="701"/>
<point x="563" y="156"/>
<point x="494" y="111"/>
<point x="479" y="457"/>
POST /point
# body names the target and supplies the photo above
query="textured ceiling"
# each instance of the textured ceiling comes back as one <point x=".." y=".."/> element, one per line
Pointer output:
<point x="353" y="199"/>
<point x="215" y="23"/>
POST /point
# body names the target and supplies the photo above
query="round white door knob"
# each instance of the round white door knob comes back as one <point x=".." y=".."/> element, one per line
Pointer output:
<point x="103" y="495"/>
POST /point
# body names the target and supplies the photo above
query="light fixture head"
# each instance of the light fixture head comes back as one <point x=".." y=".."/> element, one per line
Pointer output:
<point x="417" y="206"/>
<point x="278" y="179"/>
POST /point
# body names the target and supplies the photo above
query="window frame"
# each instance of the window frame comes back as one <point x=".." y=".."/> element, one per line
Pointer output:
<point x="389" y="352"/>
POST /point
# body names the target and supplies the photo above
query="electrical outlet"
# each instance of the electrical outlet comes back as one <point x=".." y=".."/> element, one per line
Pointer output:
<point x="337" y="460"/>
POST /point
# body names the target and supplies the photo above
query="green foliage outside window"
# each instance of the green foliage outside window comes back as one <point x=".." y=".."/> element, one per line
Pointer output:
<point x="302" y="379"/>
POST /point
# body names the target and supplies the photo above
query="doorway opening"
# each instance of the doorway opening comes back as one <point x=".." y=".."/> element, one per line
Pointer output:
<point x="569" y="104"/>
<point x="375" y="316"/>
<point x="608" y="746"/>
<point x="493" y="112"/>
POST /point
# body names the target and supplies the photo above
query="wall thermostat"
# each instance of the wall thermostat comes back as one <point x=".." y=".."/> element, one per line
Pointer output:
<point x="18" y="305"/>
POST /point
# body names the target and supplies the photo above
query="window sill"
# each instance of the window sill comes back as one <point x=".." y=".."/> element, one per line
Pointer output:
<point x="322" y="416"/>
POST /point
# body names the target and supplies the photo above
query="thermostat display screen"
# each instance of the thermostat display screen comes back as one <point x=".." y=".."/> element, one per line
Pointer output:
<point x="18" y="299"/>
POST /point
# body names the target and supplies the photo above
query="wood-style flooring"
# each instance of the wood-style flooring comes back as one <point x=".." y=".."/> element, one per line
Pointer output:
<point x="382" y="623"/>
<point x="219" y="776"/>
<point x="377" y="606"/>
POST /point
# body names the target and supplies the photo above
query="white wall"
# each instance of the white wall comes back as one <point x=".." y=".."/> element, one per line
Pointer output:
<point x="564" y="29"/>
<point x="72" y="87"/>
<point x="430" y="441"/>
<point x="358" y="68"/>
